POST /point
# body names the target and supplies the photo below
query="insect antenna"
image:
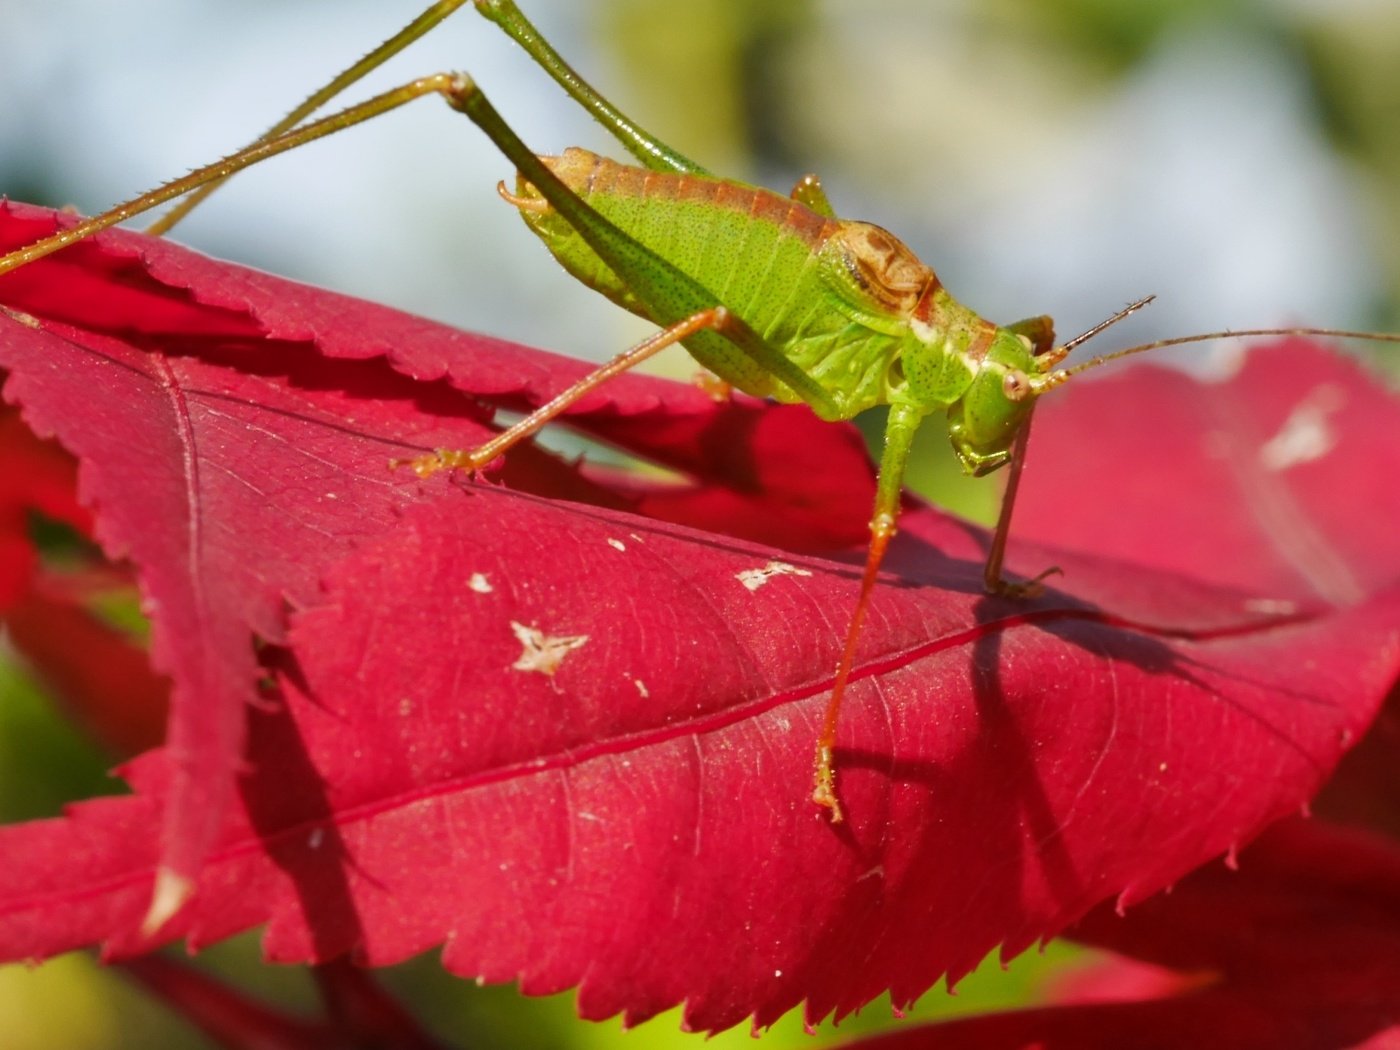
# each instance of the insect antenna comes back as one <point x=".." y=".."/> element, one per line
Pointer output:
<point x="1204" y="337"/>
<point x="1059" y="353"/>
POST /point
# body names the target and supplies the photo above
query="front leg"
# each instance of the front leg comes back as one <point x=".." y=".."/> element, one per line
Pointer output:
<point x="716" y="317"/>
<point x="900" y="428"/>
<point x="992" y="579"/>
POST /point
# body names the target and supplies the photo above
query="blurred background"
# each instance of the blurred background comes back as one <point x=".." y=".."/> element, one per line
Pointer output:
<point x="1238" y="158"/>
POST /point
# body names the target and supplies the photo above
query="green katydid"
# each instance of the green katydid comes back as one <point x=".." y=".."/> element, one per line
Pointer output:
<point x="774" y="294"/>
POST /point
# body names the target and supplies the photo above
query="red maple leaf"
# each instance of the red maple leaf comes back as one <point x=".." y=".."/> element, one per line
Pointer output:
<point x="561" y="722"/>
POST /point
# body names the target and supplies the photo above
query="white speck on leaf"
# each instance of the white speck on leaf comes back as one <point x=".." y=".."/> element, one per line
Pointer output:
<point x="1307" y="434"/>
<point x="480" y="584"/>
<point x="542" y="652"/>
<point x="616" y="545"/>
<point x="20" y="317"/>
<point x="753" y="579"/>
<point x="1271" y="606"/>
<point x="641" y="688"/>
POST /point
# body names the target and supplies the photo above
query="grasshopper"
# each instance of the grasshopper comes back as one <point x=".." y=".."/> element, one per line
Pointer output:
<point x="776" y="295"/>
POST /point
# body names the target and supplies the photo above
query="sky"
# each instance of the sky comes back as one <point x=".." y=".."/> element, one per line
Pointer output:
<point x="1029" y="184"/>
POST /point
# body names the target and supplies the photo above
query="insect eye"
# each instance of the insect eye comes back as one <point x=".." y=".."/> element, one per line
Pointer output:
<point x="1015" y="385"/>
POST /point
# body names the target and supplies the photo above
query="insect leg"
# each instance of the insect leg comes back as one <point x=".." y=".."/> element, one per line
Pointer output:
<point x="318" y="98"/>
<point x="996" y="553"/>
<point x="1041" y="332"/>
<point x="438" y="84"/>
<point x="900" y="429"/>
<point x="716" y="317"/>
<point x="647" y="148"/>
<point x="669" y="294"/>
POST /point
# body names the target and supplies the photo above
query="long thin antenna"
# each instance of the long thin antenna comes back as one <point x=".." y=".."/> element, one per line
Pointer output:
<point x="1055" y="356"/>
<point x="1241" y="333"/>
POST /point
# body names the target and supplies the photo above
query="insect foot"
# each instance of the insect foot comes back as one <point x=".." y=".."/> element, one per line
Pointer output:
<point x="1032" y="588"/>
<point x="426" y="466"/>
<point x="718" y="390"/>
<point x="824" y="794"/>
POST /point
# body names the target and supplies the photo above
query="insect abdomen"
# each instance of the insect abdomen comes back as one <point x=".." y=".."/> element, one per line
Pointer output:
<point x="756" y="251"/>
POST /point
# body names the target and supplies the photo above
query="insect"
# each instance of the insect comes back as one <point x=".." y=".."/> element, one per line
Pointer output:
<point x="774" y="294"/>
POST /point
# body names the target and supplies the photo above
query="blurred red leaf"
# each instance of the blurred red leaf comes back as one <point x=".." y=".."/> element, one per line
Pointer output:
<point x="1279" y="480"/>
<point x="1365" y="792"/>
<point x="573" y="743"/>
<point x="38" y="476"/>
<point x="103" y="677"/>
<point x="1309" y="899"/>
<point x="111" y="689"/>
<point x="1299" y="948"/>
<point x="358" y="1012"/>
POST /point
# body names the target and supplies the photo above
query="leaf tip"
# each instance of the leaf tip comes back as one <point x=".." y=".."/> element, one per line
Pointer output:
<point x="172" y="891"/>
